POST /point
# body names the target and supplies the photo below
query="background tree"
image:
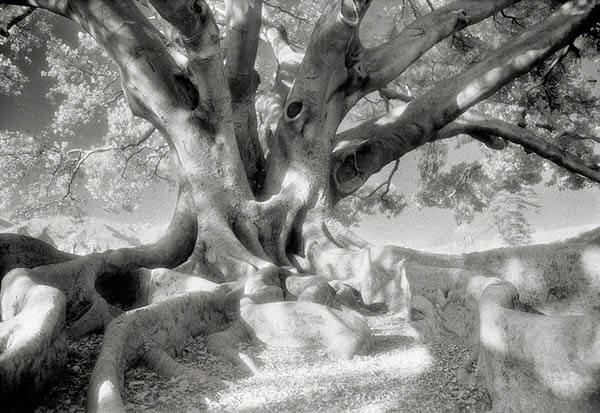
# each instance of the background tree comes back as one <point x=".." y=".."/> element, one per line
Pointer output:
<point x="259" y="155"/>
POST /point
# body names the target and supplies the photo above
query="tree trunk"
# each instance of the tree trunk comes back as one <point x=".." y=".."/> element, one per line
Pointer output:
<point x="251" y="222"/>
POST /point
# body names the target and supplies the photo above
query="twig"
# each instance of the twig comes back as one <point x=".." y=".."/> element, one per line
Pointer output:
<point x="463" y="180"/>
<point x="387" y="184"/>
<point x="285" y="11"/>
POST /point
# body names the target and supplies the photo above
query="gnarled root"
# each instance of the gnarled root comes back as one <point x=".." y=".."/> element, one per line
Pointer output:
<point x="36" y="304"/>
<point x="301" y="324"/>
<point x="532" y="362"/>
<point x="32" y="339"/>
<point x="378" y="272"/>
<point x="21" y="251"/>
<point x="152" y="334"/>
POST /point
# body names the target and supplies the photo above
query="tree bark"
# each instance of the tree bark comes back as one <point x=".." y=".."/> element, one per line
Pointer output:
<point x="253" y="220"/>
<point x="366" y="149"/>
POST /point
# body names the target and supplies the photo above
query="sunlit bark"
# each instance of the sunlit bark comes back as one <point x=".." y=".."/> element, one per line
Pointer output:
<point x="366" y="149"/>
<point x="377" y="66"/>
<point x="255" y="220"/>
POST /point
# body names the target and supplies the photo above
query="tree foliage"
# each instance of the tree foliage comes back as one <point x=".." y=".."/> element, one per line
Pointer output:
<point x="255" y="191"/>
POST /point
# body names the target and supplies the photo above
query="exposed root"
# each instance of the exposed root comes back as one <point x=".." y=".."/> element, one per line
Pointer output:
<point x="224" y="344"/>
<point x="143" y="334"/>
<point x="159" y="284"/>
<point x="445" y="296"/>
<point x="97" y="317"/>
<point x="32" y="339"/>
<point x="76" y="277"/>
<point x="264" y="286"/>
<point x="527" y="360"/>
<point x="36" y="302"/>
<point x="376" y="271"/>
<point x="163" y="364"/>
<point x="21" y="251"/>
<point x="534" y="362"/>
<point x="556" y="278"/>
<point x="302" y="324"/>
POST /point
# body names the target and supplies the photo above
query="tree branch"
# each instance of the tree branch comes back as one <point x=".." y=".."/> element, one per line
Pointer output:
<point x="242" y="44"/>
<point x="190" y="105"/>
<point x="367" y="149"/>
<point x="378" y="66"/>
<point x="559" y="57"/>
<point x="84" y="155"/>
<point x="270" y="105"/>
<point x="243" y="79"/>
<point x="389" y="93"/>
<point x="387" y="184"/>
<point x="470" y="124"/>
<point x="531" y="142"/>
<point x="312" y="109"/>
<point x="200" y="36"/>
<point x="276" y="37"/>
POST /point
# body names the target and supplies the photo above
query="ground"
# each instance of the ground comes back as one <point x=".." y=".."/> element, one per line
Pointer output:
<point x="409" y="366"/>
<point x="400" y="372"/>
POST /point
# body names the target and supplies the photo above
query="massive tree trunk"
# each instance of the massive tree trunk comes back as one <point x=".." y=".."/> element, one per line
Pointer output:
<point x="254" y="216"/>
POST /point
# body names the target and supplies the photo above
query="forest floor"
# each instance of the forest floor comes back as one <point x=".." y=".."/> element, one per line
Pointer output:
<point x="401" y="372"/>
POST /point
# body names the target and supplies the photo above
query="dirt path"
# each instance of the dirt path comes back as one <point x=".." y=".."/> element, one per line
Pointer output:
<point x="400" y="373"/>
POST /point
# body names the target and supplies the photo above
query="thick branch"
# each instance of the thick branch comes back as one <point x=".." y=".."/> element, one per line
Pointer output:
<point x="298" y="173"/>
<point x="468" y="124"/>
<point x="242" y="45"/>
<point x="191" y="106"/>
<point x="270" y="105"/>
<point x="382" y="64"/>
<point x="531" y="142"/>
<point x="287" y="58"/>
<point x="21" y="251"/>
<point x="366" y="149"/>
<point x="195" y="23"/>
<point x="313" y="108"/>
<point x="243" y="79"/>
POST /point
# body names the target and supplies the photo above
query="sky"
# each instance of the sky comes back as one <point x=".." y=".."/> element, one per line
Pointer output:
<point x="431" y="227"/>
<point x="413" y="228"/>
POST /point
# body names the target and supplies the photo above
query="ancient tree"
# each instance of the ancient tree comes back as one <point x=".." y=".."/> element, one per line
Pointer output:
<point x="254" y="210"/>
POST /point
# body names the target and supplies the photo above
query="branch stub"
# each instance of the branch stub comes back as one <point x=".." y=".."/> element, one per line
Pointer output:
<point x="349" y="12"/>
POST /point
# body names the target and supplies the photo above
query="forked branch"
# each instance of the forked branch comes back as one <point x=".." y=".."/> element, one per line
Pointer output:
<point x="243" y="79"/>
<point x="364" y="150"/>
<point x="380" y="65"/>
